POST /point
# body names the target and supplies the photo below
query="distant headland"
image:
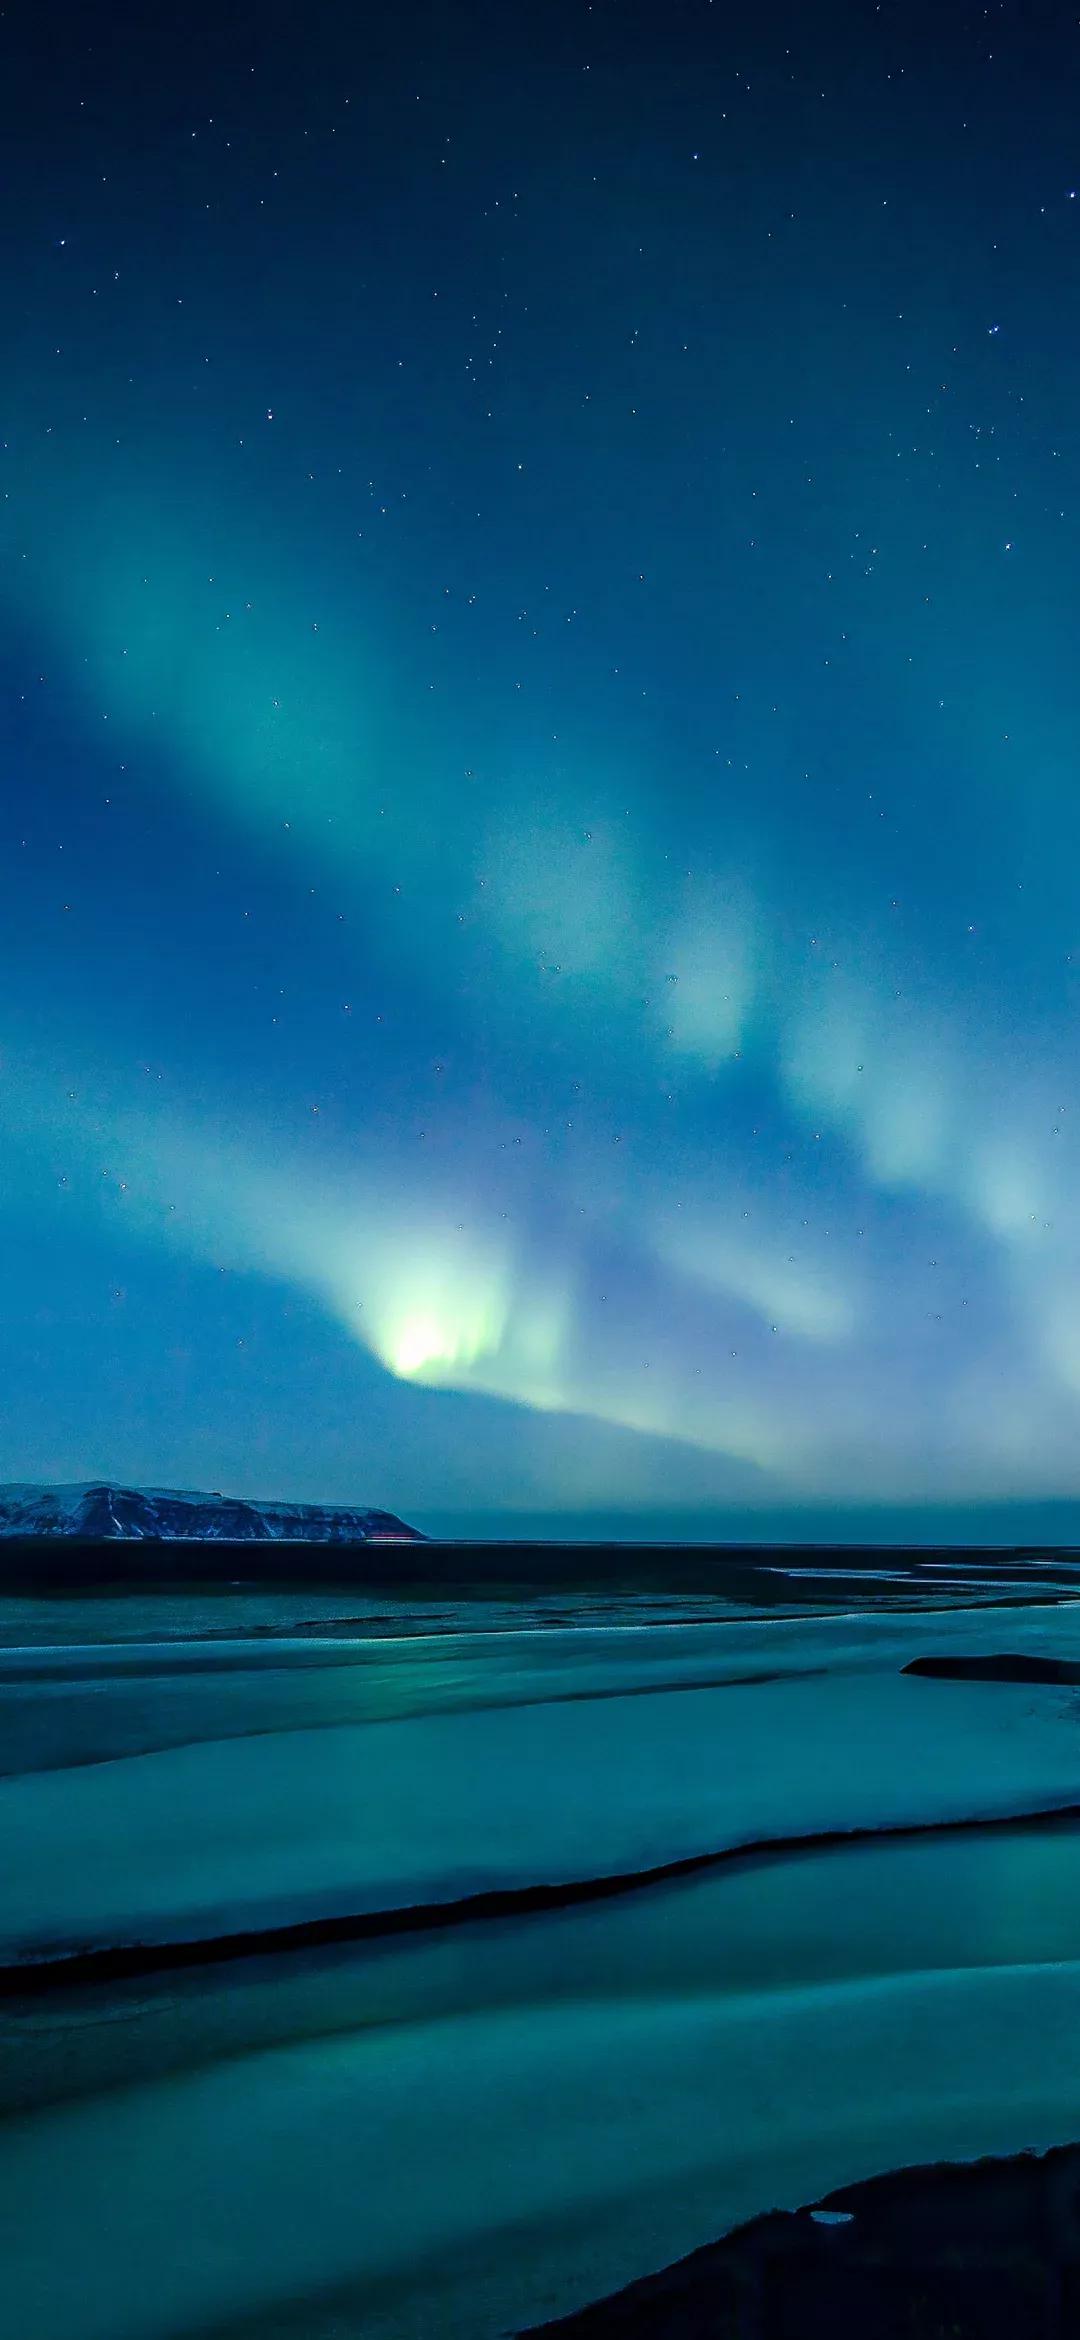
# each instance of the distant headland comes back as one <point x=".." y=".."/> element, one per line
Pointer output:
<point x="101" y="1512"/>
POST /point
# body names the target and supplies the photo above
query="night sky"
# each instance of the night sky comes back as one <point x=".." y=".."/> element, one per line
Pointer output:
<point x="539" y="709"/>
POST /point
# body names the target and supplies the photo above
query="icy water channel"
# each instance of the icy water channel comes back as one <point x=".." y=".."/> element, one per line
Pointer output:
<point x="508" y="2061"/>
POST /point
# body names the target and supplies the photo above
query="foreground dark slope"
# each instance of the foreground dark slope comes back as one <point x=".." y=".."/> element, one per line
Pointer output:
<point x="985" y="2251"/>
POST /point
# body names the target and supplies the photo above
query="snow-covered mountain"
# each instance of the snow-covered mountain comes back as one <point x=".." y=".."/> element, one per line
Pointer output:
<point x="164" y="1514"/>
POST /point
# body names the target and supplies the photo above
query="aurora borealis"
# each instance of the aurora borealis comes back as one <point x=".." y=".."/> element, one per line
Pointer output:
<point x="539" y="726"/>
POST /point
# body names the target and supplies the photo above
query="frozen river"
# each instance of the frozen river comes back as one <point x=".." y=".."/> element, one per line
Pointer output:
<point x="529" y="2068"/>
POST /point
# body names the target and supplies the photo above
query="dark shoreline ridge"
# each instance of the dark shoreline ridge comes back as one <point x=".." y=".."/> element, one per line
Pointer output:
<point x="396" y="1558"/>
<point x="984" y="2250"/>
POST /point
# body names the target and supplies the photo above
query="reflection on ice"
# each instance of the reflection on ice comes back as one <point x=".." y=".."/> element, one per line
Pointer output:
<point x="467" y="2131"/>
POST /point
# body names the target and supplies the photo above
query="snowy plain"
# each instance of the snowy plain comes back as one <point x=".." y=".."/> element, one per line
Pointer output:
<point x="466" y="2130"/>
